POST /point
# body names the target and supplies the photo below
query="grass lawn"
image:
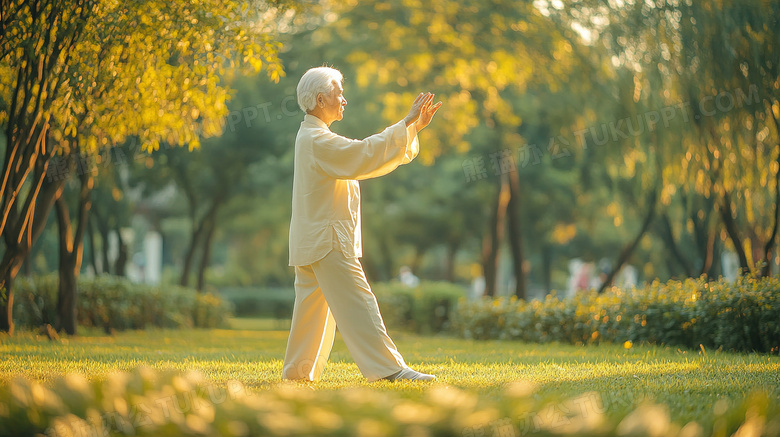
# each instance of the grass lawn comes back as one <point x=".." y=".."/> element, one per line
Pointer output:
<point x="691" y="383"/>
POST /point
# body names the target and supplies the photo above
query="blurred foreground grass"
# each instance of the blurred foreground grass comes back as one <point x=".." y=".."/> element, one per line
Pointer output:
<point x="692" y="384"/>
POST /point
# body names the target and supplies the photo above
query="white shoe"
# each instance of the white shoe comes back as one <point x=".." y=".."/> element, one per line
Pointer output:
<point x="411" y="375"/>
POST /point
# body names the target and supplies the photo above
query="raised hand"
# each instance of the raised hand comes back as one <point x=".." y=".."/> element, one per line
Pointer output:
<point x="414" y="112"/>
<point x="427" y="111"/>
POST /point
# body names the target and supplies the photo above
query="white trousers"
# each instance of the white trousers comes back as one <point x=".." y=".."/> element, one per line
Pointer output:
<point x="334" y="291"/>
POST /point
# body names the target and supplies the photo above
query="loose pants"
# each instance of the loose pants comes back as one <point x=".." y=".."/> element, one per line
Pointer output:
<point x="334" y="291"/>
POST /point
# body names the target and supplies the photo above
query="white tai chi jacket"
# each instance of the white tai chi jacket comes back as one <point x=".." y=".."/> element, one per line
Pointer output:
<point x="326" y="193"/>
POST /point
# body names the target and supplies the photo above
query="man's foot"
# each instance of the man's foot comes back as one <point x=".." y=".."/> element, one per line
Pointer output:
<point x="411" y="375"/>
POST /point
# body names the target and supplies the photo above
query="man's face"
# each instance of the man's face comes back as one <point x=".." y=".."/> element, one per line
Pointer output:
<point x="335" y="103"/>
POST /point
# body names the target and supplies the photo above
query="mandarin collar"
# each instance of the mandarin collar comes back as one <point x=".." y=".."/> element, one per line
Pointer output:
<point x="311" y="119"/>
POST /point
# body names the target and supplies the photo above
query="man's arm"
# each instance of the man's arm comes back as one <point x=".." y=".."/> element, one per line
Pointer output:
<point x="377" y="155"/>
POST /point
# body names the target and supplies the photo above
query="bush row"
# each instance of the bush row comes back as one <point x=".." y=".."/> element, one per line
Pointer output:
<point x="163" y="403"/>
<point x="426" y="308"/>
<point x="735" y="316"/>
<point x="115" y="303"/>
<point x="274" y="303"/>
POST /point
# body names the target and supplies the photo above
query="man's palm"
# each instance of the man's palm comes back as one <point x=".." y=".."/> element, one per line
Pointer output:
<point x="427" y="112"/>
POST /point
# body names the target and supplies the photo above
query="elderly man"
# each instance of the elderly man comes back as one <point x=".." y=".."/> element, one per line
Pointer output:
<point x="325" y="237"/>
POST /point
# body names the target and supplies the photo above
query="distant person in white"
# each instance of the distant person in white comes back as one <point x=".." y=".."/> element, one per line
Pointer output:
<point x="325" y="235"/>
<point x="407" y="278"/>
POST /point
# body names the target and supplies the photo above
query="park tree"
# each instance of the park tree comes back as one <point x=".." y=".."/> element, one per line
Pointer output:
<point x="37" y="38"/>
<point x="727" y="71"/>
<point x="82" y="76"/>
<point x="221" y="170"/>
<point x="682" y="60"/>
<point x="732" y="81"/>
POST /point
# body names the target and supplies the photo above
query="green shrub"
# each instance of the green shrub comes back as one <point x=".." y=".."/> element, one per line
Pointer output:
<point x="165" y="403"/>
<point x="35" y="301"/>
<point x="260" y="302"/>
<point x="739" y="316"/>
<point x="427" y="308"/>
<point x="115" y="303"/>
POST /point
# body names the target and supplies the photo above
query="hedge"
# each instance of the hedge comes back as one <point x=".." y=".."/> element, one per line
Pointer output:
<point x="274" y="303"/>
<point x="426" y="308"/>
<point x="115" y="303"/>
<point x="165" y="403"/>
<point x="733" y="316"/>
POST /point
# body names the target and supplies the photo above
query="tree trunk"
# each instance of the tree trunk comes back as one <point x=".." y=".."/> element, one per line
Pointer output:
<point x="629" y="249"/>
<point x="183" y="180"/>
<point x="121" y="259"/>
<point x="18" y="240"/>
<point x="66" y="289"/>
<point x="515" y="233"/>
<point x="92" y="254"/>
<point x="27" y="269"/>
<point x="104" y="247"/>
<point x="18" y="233"/>
<point x="766" y="270"/>
<point x="419" y="254"/>
<point x="7" y="304"/>
<point x="198" y="228"/>
<point x="98" y="221"/>
<point x="705" y="237"/>
<point x="23" y="155"/>
<point x="71" y="255"/>
<point x="206" y="253"/>
<point x="189" y="256"/>
<point x="67" y="296"/>
<point x="709" y="255"/>
<point x="547" y="267"/>
<point x="733" y="232"/>
<point x="449" y="262"/>
<point x="667" y="235"/>
<point x="492" y="241"/>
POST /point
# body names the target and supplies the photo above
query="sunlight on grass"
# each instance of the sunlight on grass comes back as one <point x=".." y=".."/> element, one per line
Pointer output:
<point x="690" y="382"/>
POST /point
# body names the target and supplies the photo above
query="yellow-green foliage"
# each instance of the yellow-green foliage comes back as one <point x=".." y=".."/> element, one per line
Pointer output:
<point x="146" y="402"/>
<point x="111" y="302"/>
<point x="739" y="316"/>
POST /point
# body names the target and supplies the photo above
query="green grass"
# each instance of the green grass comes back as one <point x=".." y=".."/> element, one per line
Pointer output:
<point x="689" y="382"/>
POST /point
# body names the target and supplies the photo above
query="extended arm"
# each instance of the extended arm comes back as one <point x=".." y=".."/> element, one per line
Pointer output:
<point x="379" y="154"/>
<point x="375" y="156"/>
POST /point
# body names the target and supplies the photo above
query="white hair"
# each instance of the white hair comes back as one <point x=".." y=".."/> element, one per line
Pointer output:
<point x="314" y="81"/>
